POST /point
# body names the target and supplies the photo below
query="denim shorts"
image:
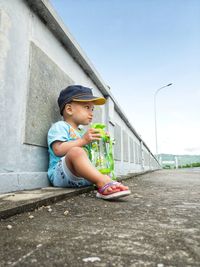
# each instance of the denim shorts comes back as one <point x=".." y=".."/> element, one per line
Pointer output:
<point x="62" y="177"/>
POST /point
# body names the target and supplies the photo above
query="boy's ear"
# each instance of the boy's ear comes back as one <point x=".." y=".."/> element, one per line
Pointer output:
<point x="68" y="109"/>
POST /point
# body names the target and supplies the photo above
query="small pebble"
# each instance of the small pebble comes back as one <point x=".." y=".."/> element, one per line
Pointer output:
<point x="49" y="210"/>
<point x="40" y="208"/>
<point x="9" y="226"/>
<point x="137" y="195"/>
<point x="91" y="259"/>
<point x="31" y="217"/>
<point x="66" y="212"/>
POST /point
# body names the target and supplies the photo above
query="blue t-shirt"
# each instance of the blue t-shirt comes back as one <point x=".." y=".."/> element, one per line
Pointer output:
<point x="60" y="131"/>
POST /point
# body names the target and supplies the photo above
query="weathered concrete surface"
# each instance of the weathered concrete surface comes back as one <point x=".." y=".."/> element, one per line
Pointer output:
<point x="28" y="200"/>
<point x="158" y="225"/>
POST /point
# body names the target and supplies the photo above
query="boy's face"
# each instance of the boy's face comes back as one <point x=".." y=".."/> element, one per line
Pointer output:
<point x="80" y="112"/>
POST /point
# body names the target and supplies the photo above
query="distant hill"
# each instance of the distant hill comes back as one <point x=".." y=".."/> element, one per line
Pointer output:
<point x="182" y="159"/>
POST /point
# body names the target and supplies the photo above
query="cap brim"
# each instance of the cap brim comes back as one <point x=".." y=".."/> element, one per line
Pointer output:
<point x="95" y="100"/>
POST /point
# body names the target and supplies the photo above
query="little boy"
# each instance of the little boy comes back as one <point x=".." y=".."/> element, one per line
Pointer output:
<point x="69" y="165"/>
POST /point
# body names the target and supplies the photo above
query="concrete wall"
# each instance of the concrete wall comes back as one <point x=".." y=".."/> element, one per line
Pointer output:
<point x="38" y="57"/>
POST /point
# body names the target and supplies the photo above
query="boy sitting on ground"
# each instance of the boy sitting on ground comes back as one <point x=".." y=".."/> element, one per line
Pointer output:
<point x="69" y="165"/>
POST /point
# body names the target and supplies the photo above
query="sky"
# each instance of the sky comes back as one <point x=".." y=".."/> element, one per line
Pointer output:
<point x="137" y="47"/>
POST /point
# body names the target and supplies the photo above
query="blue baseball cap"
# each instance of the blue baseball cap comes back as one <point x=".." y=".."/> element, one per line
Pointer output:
<point x="78" y="93"/>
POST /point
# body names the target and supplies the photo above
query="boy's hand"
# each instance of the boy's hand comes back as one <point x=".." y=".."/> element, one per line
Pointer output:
<point x="107" y="134"/>
<point x="91" y="135"/>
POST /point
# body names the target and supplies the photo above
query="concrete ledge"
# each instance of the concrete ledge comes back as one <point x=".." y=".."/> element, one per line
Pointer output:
<point x="23" y="201"/>
<point x="28" y="200"/>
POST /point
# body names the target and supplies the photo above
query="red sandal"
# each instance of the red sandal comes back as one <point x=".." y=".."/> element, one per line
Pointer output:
<point x="111" y="195"/>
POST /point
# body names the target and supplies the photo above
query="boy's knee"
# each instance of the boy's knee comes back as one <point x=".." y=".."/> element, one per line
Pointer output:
<point x="75" y="152"/>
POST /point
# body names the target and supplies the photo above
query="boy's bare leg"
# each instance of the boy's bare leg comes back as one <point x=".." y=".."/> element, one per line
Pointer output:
<point x="79" y="164"/>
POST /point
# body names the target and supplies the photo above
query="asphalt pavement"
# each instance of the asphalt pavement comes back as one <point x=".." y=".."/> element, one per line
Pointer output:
<point x="157" y="225"/>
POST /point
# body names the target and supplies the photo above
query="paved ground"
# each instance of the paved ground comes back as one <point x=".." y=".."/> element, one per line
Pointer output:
<point x="158" y="225"/>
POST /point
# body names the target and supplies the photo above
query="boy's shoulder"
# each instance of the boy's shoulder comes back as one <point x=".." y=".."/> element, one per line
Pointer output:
<point x="59" y="131"/>
<point x="59" y="125"/>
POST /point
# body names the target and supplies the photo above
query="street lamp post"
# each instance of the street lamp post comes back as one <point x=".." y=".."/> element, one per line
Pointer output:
<point x="155" y="115"/>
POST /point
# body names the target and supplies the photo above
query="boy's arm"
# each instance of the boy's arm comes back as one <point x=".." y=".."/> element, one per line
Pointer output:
<point x="61" y="148"/>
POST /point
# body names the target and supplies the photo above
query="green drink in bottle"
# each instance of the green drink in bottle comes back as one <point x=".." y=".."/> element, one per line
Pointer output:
<point x="101" y="152"/>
